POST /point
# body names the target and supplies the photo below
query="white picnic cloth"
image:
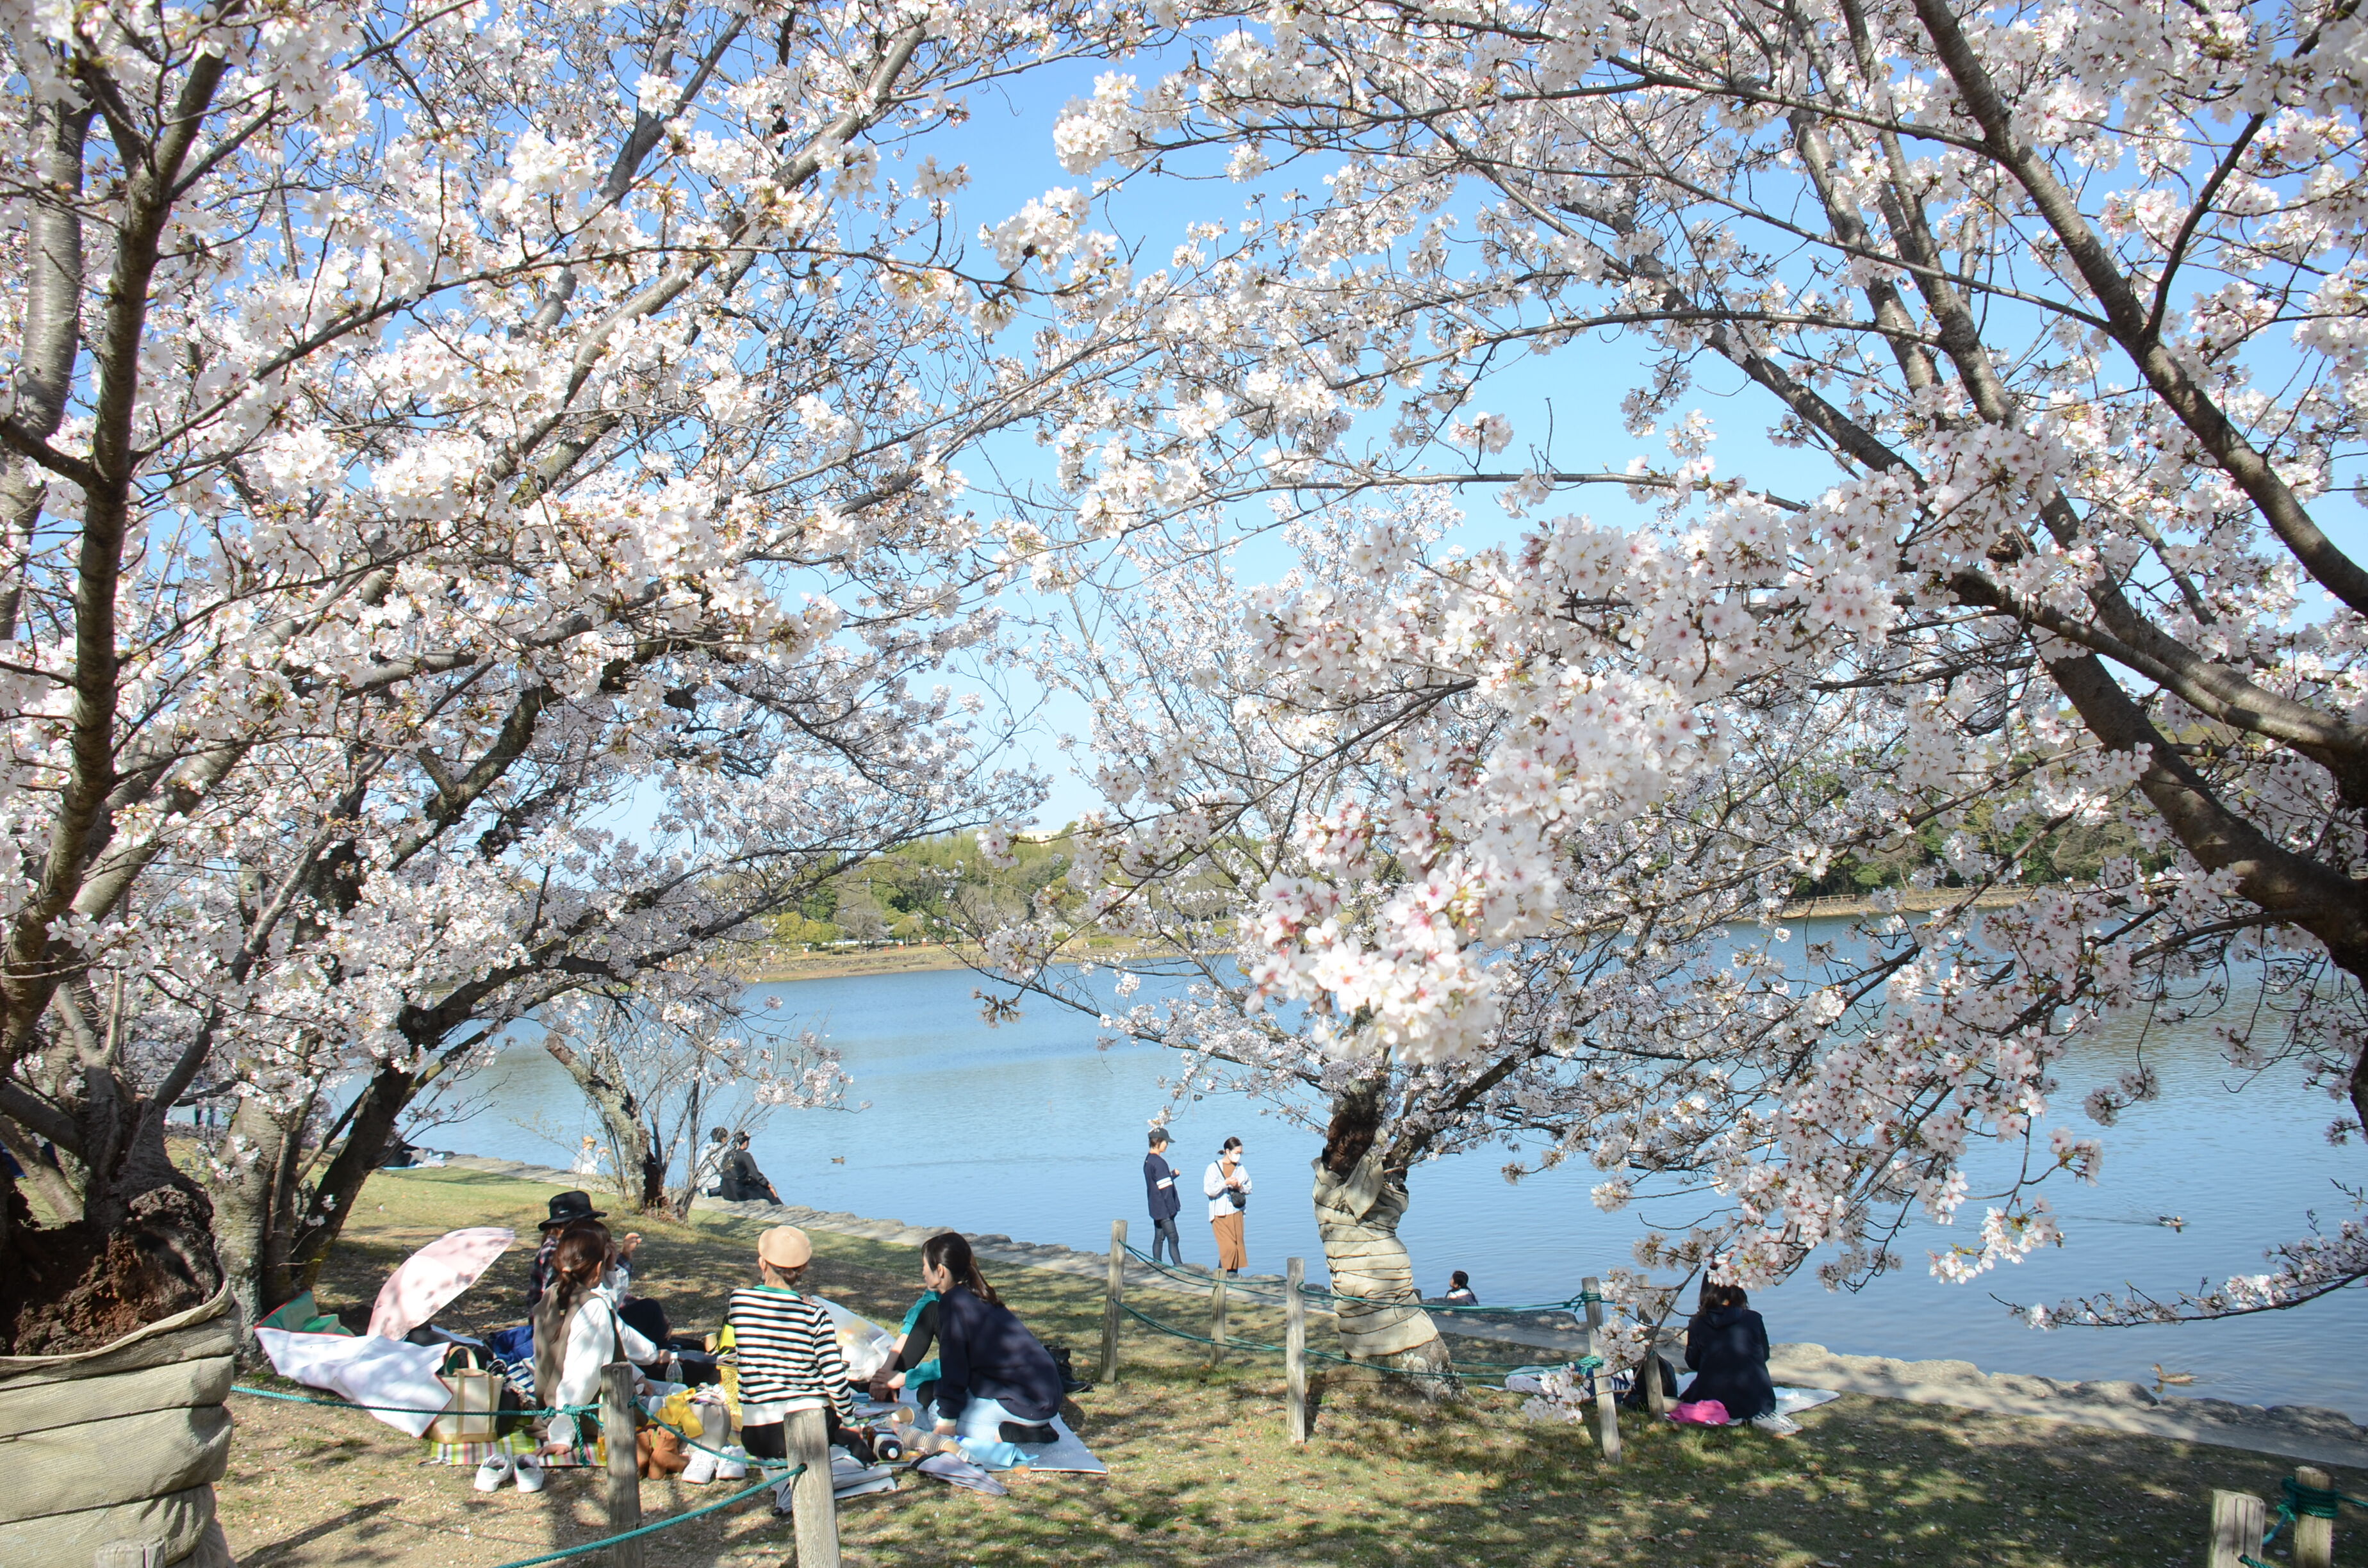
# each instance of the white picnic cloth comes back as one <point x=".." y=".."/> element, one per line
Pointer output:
<point x="398" y="1380"/>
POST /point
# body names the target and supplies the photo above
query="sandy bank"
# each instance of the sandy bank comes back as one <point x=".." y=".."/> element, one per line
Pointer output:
<point x="2294" y="1431"/>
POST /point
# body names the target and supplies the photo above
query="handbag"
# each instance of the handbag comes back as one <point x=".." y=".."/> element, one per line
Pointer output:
<point x="475" y="1414"/>
<point x="1241" y="1199"/>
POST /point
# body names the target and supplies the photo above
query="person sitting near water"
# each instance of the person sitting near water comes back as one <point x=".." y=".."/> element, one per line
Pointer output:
<point x="578" y="1332"/>
<point x="707" y="1172"/>
<point x="788" y="1353"/>
<point x="1458" y="1290"/>
<point x="995" y="1381"/>
<point x="742" y="1179"/>
<point x="1727" y="1344"/>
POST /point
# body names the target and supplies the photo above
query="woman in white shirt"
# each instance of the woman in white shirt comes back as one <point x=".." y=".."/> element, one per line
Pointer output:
<point x="577" y="1334"/>
<point x="1227" y="1185"/>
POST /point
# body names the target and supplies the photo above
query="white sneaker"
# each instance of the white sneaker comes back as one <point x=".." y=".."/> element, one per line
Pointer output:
<point x="530" y="1473"/>
<point x="494" y="1472"/>
<point x="1776" y="1425"/>
<point x="700" y="1468"/>
<point x="732" y="1464"/>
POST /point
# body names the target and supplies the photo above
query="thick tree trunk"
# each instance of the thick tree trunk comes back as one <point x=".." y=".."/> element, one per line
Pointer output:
<point x="255" y="1204"/>
<point x="141" y="1250"/>
<point x="641" y="1163"/>
<point x="1359" y="1204"/>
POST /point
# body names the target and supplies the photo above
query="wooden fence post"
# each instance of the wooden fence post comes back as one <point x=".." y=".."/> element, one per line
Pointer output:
<point x="2235" y="1527"/>
<point x="814" y="1509"/>
<point x="1294" y="1345"/>
<point x="1217" y="1319"/>
<point x="618" y="1412"/>
<point x="1657" y="1398"/>
<point x="1607" y="1404"/>
<point x="2314" y="1539"/>
<point x="1110" y="1300"/>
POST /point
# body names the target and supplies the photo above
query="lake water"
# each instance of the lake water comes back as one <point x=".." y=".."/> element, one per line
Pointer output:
<point x="1029" y="1129"/>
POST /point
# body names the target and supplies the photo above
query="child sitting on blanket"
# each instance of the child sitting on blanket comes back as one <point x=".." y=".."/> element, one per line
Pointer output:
<point x="913" y="1367"/>
<point x="787" y="1351"/>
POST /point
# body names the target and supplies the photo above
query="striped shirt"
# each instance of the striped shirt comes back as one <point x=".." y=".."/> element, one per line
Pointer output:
<point x="787" y="1350"/>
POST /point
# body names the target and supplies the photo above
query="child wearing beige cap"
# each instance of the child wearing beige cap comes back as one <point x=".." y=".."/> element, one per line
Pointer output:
<point x="788" y="1347"/>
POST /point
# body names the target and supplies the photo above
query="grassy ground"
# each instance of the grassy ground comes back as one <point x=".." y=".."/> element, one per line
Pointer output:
<point x="1201" y="1473"/>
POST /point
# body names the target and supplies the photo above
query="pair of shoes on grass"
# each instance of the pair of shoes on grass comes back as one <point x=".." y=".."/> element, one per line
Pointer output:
<point x="526" y="1468"/>
<point x="1776" y="1425"/>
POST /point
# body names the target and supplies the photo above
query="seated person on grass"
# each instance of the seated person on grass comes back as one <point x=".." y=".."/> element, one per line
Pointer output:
<point x="995" y="1381"/>
<point x="915" y="1366"/>
<point x="1727" y="1344"/>
<point x="578" y="1332"/>
<point x="787" y="1351"/>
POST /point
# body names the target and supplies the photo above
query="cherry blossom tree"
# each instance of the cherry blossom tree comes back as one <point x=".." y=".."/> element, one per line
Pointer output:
<point x="479" y="521"/>
<point x="2067" y="296"/>
<point x="659" y="1064"/>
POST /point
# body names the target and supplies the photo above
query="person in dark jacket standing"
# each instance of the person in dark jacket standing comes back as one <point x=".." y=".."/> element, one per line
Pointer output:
<point x="1159" y="1186"/>
<point x="1727" y="1344"/>
<point x="995" y="1381"/>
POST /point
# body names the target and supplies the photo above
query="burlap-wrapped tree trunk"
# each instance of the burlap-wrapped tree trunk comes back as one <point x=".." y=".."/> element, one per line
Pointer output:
<point x="1385" y="1324"/>
<point x="116" y="1450"/>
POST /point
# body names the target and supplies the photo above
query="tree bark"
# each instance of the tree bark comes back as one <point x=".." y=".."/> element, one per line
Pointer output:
<point x="641" y="1163"/>
<point x="1359" y="1205"/>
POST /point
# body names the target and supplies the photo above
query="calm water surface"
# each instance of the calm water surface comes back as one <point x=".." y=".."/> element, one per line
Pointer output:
<point x="1032" y="1131"/>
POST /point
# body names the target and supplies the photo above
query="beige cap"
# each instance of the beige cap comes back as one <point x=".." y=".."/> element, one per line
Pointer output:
<point x="785" y="1246"/>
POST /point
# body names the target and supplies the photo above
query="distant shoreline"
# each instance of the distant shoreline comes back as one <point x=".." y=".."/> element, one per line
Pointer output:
<point x="779" y="967"/>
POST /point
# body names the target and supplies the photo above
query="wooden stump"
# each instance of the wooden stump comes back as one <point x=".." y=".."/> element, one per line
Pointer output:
<point x="2236" y="1528"/>
<point x="1294" y="1345"/>
<point x="1111" y="1299"/>
<point x="2314" y="1539"/>
<point x="1217" y="1320"/>
<point x="1607" y="1403"/>
<point x="617" y="1412"/>
<point x="1657" y="1398"/>
<point x="814" y="1517"/>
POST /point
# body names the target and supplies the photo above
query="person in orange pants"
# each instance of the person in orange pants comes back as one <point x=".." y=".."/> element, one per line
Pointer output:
<point x="1227" y="1188"/>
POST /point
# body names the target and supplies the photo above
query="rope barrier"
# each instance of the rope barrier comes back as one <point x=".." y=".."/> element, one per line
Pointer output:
<point x="413" y="1410"/>
<point x="2299" y="1503"/>
<point x="603" y="1544"/>
<point x="772" y="1479"/>
<point x="1318" y="1293"/>
<point x="1583" y="1363"/>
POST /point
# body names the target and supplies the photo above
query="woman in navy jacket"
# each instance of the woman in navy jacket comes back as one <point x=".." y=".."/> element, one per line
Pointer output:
<point x="995" y="1381"/>
<point x="1726" y="1343"/>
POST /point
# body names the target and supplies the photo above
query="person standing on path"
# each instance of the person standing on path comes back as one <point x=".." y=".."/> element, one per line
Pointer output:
<point x="1159" y="1186"/>
<point x="1227" y="1185"/>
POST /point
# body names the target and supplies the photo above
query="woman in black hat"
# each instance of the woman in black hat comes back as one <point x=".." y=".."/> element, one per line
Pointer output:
<point x="565" y="1209"/>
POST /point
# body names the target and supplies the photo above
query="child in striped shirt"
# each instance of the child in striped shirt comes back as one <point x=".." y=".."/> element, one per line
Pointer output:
<point x="789" y="1355"/>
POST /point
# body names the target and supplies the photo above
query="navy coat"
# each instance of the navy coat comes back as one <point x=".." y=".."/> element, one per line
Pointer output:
<point x="1165" y="1204"/>
<point x="1728" y="1350"/>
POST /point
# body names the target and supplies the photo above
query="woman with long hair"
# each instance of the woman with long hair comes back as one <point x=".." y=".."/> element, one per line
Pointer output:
<point x="1227" y="1185"/>
<point x="1726" y="1343"/>
<point x="995" y="1381"/>
<point x="578" y="1332"/>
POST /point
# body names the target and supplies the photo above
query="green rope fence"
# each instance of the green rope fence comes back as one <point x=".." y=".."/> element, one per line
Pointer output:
<point x="1261" y="1292"/>
<point x="410" y="1410"/>
<point x="590" y="1547"/>
<point x="2298" y="1503"/>
<point x="771" y="1478"/>
<point x="1583" y="1363"/>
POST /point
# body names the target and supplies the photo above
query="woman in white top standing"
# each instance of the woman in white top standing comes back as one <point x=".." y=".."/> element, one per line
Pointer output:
<point x="1227" y="1188"/>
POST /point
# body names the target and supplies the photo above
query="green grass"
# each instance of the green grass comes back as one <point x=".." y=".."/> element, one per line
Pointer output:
<point x="1201" y="1473"/>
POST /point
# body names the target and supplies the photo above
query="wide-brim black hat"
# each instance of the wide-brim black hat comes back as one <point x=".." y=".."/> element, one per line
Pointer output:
<point x="570" y="1207"/>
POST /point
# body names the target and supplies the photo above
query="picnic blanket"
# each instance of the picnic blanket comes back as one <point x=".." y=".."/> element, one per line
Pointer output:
<point x="395" y="1380"/>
